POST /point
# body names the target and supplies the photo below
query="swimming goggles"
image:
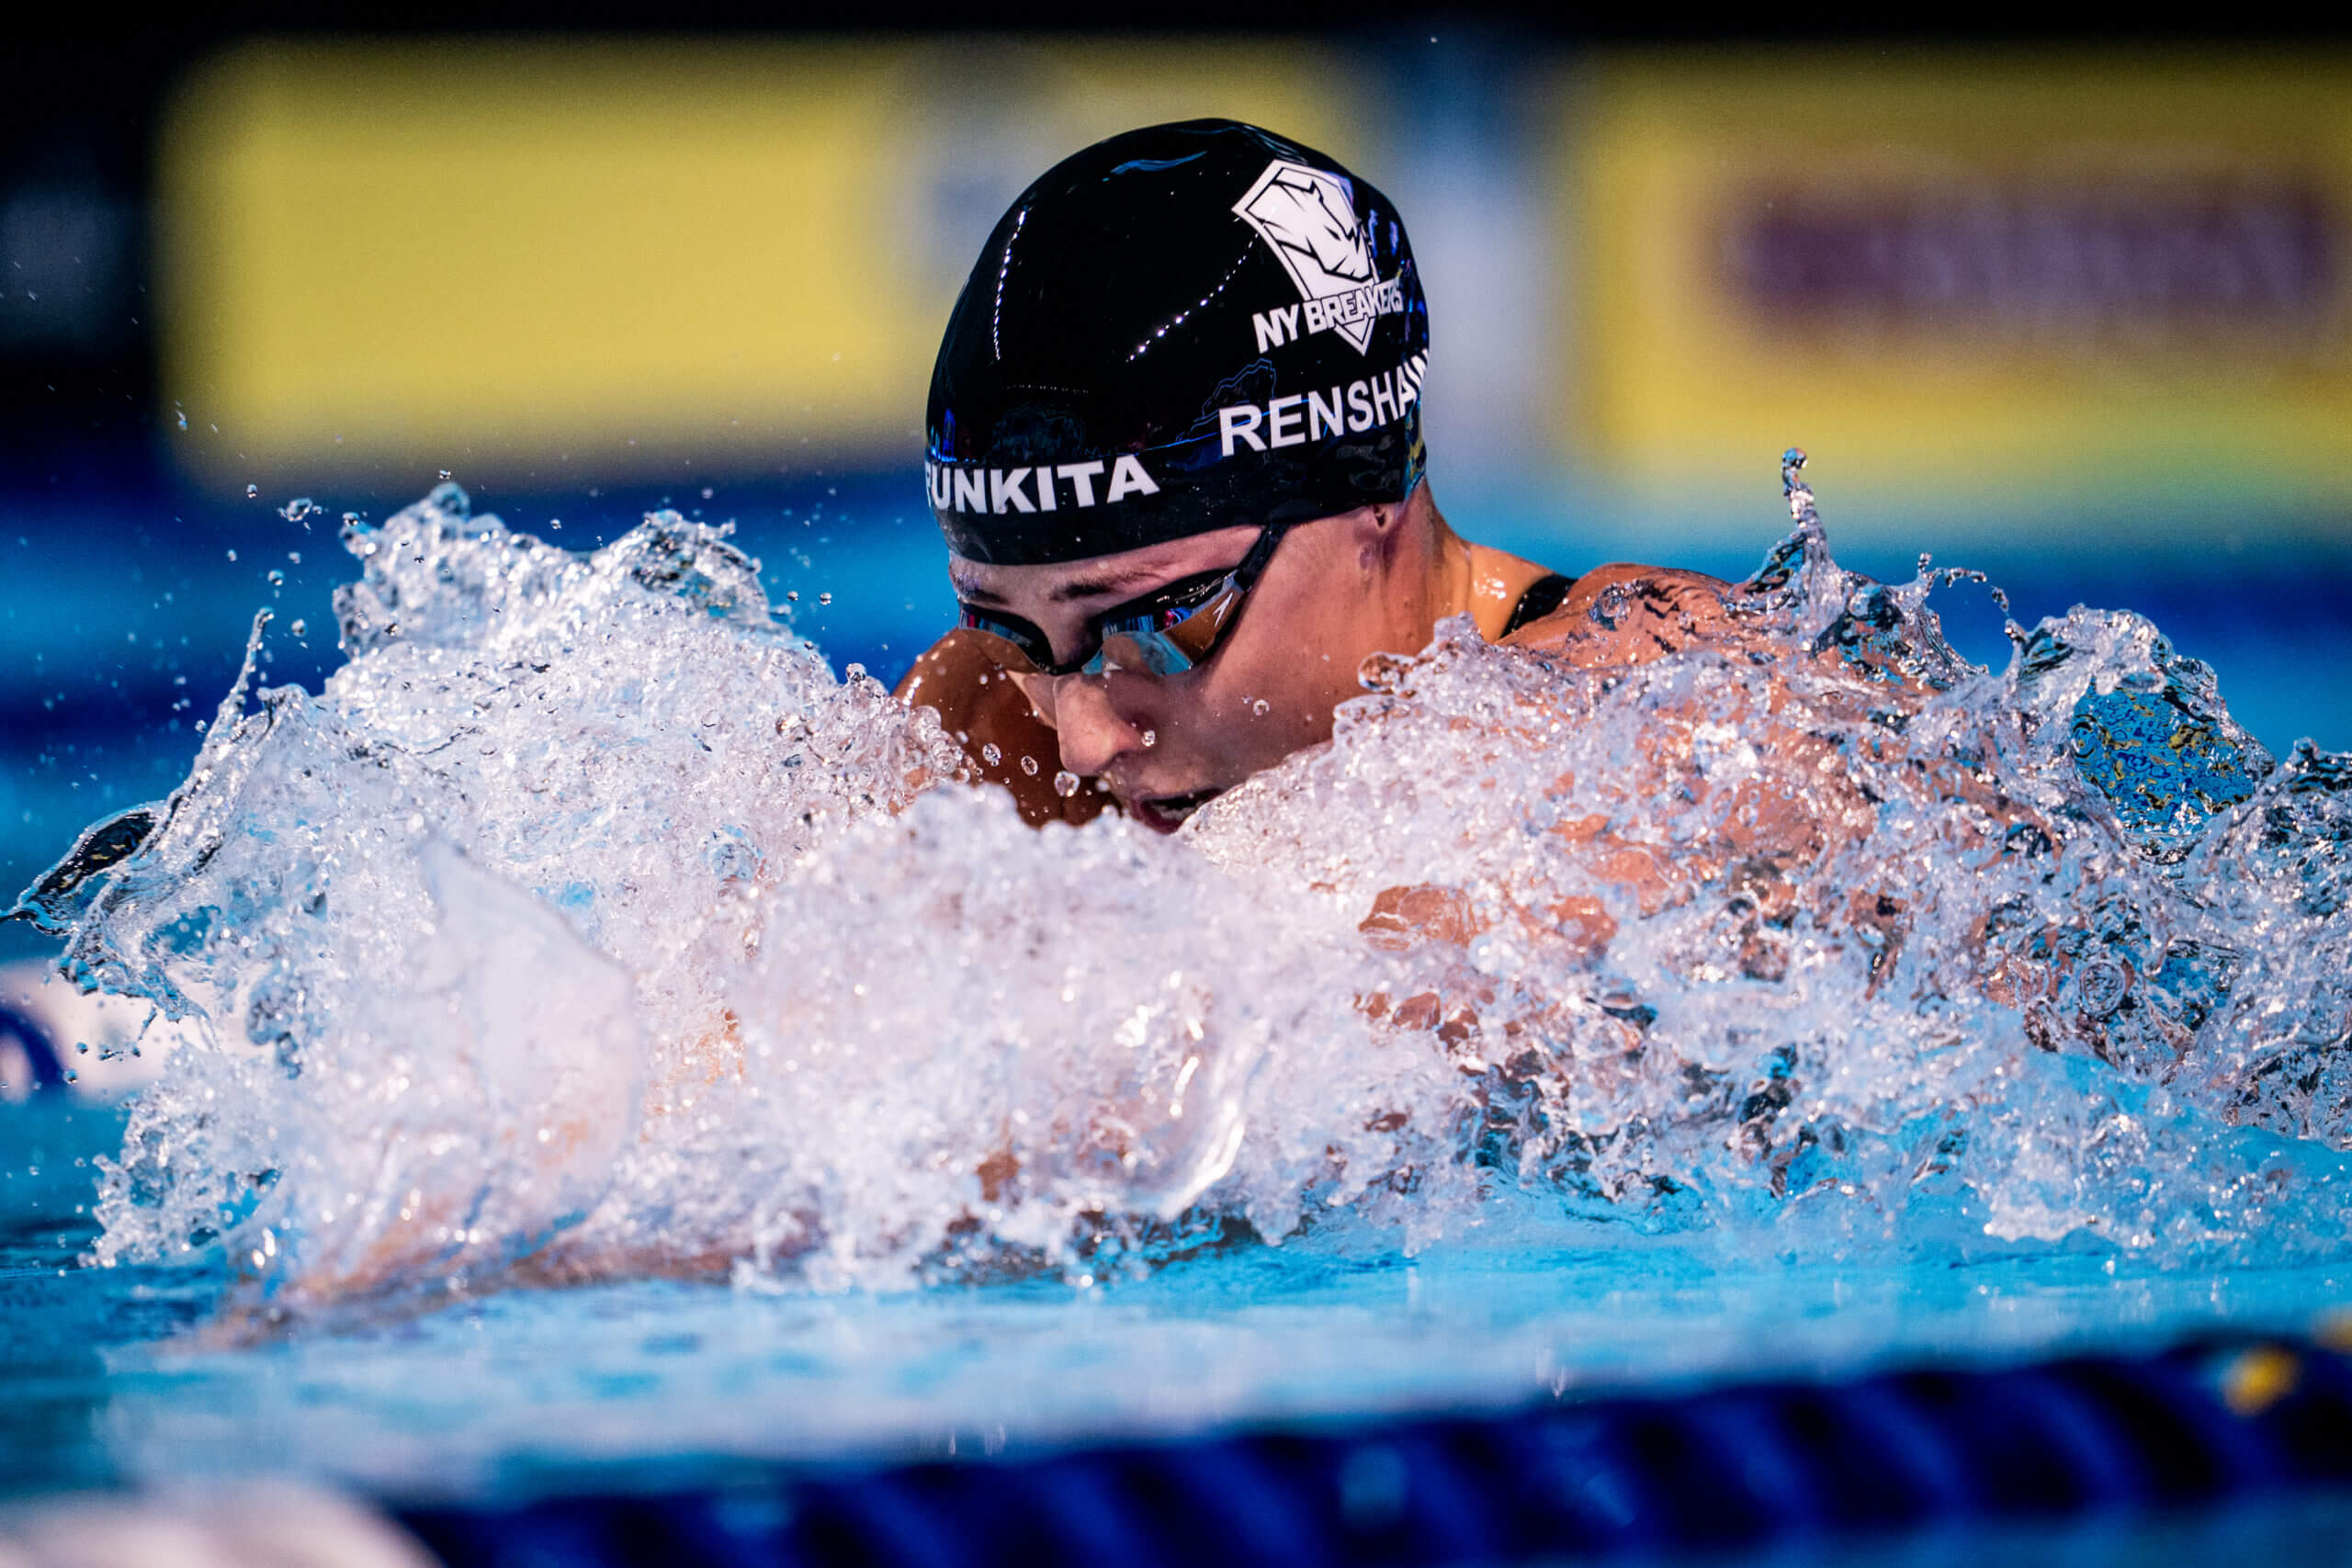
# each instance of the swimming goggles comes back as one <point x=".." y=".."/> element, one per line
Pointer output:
<point x="1171" y="628"/>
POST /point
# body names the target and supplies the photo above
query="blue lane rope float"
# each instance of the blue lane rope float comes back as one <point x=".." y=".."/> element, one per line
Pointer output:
<point x="1762" y="1465"/>
<point x="48" y="1072"/>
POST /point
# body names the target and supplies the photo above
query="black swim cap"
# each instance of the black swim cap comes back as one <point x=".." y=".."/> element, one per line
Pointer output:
<point x="1187" y="327"/>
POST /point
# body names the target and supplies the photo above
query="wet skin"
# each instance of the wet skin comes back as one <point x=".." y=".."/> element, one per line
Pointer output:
<point x="1336" y="590"/>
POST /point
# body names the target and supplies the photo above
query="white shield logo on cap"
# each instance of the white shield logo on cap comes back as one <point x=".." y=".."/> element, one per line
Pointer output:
<point x="1308" y="215"/>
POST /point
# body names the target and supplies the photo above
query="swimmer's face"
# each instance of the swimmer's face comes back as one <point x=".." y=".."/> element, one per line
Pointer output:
<point x="1166" y="744"/>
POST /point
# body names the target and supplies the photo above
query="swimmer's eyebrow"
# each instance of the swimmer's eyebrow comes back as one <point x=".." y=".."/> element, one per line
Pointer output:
<point x="1112" y="583"/>
<point x="1080" y="588"/>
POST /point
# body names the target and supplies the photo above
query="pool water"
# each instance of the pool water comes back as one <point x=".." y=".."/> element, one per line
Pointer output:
<point x="653" y="1384"/>
<point x="583" y="1077"/>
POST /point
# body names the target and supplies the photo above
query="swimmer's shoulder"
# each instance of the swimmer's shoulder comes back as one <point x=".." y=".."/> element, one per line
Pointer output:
<point x="953" y="678"/>
<point x="1005" y="741"/>
<point x="1628" y="612"/>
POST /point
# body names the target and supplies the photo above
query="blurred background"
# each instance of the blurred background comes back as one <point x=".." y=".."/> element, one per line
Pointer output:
<point x="2068" y="308"/>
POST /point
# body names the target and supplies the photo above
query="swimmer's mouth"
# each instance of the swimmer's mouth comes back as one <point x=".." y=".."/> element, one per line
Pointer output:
<point x="1166" y="813"/>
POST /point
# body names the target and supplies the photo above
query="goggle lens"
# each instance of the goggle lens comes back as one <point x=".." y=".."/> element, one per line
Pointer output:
<point x="1011" y="641"/>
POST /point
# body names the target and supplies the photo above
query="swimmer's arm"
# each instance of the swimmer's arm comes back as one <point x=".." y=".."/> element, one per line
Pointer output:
<point x="980" y="706"/>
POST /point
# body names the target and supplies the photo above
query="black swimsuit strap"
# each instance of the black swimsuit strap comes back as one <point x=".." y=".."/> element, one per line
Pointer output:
<point x="1542" y="597"/>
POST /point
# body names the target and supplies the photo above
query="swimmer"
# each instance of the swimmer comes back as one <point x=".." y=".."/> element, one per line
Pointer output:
<point x="1175" y="447"/>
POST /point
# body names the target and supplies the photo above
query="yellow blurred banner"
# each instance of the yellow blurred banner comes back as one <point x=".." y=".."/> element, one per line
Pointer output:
<point x="1935" y="270"/>
<point x="617" y="253"/>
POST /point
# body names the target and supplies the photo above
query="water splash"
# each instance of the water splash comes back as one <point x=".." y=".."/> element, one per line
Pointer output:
<point x="1821" y="929"/>
<point x="584" y="923"/>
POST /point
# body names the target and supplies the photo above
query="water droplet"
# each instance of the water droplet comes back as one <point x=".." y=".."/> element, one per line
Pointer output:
<point x="705" y="493"/>
<point x="276" y="578"/>
<point x="792" y="595"/>
<point x="252" y="491"/>
<point x="232" y="554"/>
<point x="300" y="627"/>
<point x="556" y="523"/>
<point x="294" y="511"/>
<point x="1151" y="737"/>
<point x="1260" y="708"/>
<point x="295" y="556"/>
<point x="991" y="754"/>
<point x="1029" y="766"/>
<point x="1065" y="783"/>
<point x="853" y="672"/>
<point x="824" y="598"/>
<point x="1798" y="493"/>
<point x="444" y="473"/>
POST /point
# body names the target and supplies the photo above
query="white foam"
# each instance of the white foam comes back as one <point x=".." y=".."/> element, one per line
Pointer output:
<point x="275" y="1522"/>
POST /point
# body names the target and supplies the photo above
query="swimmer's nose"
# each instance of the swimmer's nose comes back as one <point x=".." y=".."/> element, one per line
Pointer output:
<point x="1093" y="733"/>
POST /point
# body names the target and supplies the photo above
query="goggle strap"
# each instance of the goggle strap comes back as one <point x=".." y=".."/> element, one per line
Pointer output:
<point x="1245" y="576"/>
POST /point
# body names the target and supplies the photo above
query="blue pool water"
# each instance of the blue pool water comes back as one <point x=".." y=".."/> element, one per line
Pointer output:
<point x="646" y="1311"/>
<point x="648" y="1384"/>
